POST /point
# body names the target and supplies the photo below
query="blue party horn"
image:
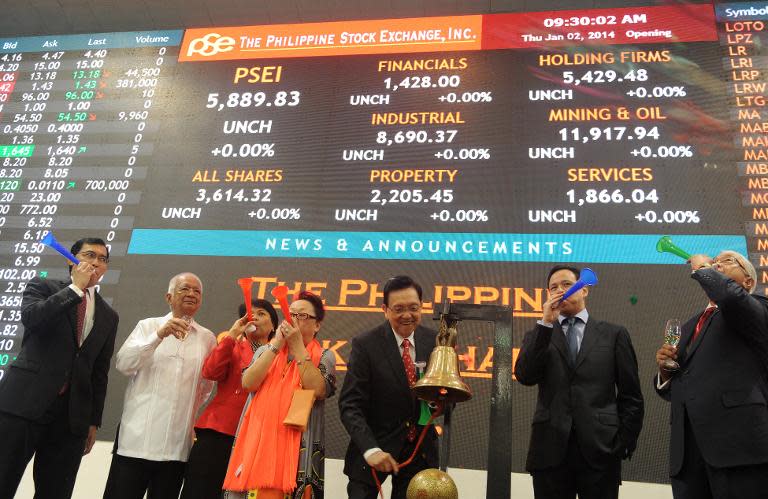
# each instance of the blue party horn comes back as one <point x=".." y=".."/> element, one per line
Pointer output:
<point x="51" y="241"/>
<point x="586" y="278"/>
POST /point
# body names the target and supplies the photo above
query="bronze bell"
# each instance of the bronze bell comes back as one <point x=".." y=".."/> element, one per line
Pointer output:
<point x="442" y="382"/>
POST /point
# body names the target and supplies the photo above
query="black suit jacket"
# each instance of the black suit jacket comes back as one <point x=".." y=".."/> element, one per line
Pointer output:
<point x="722" y="385"/>
<point x="599" y="398"/>
<point x="376" y="404"/>
<point x="49" y="357"/>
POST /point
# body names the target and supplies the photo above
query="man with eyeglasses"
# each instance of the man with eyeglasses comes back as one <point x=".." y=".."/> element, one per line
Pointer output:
<point x="52" y="397"/>
<point x="376" y="405"/>
<point x="163" y="357"/>
<point x="589" y="410"/>
<point x="719" y="435"/>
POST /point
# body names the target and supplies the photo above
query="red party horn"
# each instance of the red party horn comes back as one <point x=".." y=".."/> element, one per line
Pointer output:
<point x="281" y="295"/>
<point x="246" y="283"/>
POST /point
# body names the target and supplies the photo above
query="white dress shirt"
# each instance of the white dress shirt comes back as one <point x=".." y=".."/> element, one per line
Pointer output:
<point x="90" y="308"/>
<point x="165" y="391"/>
<point x="578" y="326"/>
<point x="411" y="339"/>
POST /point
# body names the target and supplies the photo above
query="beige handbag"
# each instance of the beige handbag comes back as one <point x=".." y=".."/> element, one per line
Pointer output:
<point x="301" y="406"/>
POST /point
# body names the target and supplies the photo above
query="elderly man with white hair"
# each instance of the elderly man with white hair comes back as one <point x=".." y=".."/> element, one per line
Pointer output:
<point x="163" y="357"/>
<point x="719" y="443"/>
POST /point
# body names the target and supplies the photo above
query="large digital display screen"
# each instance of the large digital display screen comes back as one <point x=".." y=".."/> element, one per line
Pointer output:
<point x="470" y="152"/>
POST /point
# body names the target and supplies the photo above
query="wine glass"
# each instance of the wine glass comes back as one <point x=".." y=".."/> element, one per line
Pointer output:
<point x="671" y="337"/>
<point x="188" y="320"/>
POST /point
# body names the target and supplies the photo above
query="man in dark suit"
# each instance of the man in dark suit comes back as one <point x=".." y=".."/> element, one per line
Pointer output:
<point x="52" y="396"/>
<point x="719" y="446"/>
<point x="376" y="405"/>
<point x="589" y="410"/>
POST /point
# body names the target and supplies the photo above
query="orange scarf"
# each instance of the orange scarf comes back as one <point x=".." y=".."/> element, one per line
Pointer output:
<point x="266" y="452"/>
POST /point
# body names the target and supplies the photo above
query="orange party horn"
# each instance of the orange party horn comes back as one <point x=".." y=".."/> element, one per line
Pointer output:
<point x="281" y="294"/>
<point x="246" y="283"/>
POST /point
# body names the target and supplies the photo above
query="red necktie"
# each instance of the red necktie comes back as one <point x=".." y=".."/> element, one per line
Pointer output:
<point x="702" y="320"/>
<point x="410" y="373"/>
<point x="81" y="308"/>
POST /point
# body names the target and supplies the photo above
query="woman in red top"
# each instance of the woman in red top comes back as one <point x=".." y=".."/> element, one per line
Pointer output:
<point x="215" y="429"/>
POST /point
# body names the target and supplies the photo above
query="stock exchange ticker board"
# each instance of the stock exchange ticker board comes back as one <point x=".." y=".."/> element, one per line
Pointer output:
<point x="471" y="152"/>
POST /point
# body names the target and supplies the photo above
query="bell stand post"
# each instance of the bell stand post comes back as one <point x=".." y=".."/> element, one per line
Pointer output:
<point x="499" y="480"/>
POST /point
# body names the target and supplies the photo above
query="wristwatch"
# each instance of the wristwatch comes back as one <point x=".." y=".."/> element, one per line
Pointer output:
<point x="273" y="348"/>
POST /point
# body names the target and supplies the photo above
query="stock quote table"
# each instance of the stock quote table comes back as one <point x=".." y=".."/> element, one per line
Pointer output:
<point x="472" y="152"/>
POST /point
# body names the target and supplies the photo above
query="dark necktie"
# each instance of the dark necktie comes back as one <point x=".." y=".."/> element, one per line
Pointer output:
<point x="702" y="320"/>
<point x="410" y="373"/>
<point x="81" y="308"/>
<point x="573" y="340"/>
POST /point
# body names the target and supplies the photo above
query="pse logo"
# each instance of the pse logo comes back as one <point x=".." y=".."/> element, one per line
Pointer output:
<point x="210" y="44"/>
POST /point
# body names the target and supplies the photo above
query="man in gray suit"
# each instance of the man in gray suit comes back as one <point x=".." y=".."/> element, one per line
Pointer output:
<point x="589" y="410"/>
<point x="52" y="397"/>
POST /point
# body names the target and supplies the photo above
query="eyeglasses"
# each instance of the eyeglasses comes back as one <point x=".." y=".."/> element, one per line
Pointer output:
<point x="301" y="316"/>
<point x="730" y="261"/>
<point x="91" y="256"/>
<point x="401" y="309"/>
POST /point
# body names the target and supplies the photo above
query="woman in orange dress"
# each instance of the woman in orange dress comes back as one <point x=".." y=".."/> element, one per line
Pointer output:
<point x="269" y="458"/>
